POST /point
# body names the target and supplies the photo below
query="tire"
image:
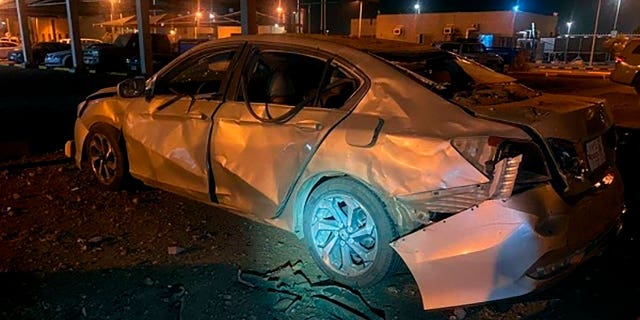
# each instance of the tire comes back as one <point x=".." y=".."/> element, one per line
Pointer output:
<point x="330" y="237"/>
<point x="636" y="84"/>
<point x="107" y="156"/>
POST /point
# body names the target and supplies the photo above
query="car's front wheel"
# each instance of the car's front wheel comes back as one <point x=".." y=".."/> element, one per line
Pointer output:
<point x="106" y="156"/>
<point x="347" y="231"/>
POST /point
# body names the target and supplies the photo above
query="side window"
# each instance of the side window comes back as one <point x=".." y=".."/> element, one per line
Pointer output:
<point x="297" y="80"/>
<point x="203" y="74"/>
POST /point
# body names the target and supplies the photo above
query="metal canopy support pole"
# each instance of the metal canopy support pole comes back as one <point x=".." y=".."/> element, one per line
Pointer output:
<point x="23" y="21"/>
<point x="248" y="16"/>
<point x="74" y="33"/>
<point x="595" y="31"/>
<point x="144" y="37"/>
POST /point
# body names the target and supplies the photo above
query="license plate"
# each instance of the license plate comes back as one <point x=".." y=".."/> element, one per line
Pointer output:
<point x="595" y="153"/>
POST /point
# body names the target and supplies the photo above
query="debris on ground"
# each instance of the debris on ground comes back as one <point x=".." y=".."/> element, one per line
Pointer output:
<point x="174" y="250"/>
<point x="294" y="294"/>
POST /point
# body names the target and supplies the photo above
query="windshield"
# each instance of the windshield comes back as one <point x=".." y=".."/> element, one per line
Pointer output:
<point x="455" y="78"/>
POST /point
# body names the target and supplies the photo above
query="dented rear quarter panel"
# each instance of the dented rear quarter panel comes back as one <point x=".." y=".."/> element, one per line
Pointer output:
<point x="397" y="141"/>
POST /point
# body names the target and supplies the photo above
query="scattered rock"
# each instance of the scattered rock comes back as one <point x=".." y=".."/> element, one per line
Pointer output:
<point x="459" y="313"/>
<point x="393" y="290"/>
<point x="148" y="281"/>
<point x="173" y="250"/>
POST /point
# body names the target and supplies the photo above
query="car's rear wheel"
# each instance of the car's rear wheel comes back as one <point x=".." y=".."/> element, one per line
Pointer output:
<point x="106" y="156"/>
<point x="347" y="231"/>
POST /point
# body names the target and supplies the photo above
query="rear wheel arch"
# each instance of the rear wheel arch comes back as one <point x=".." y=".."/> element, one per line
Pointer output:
<point x="354" y="249"/>
<point x="311" y="184"/>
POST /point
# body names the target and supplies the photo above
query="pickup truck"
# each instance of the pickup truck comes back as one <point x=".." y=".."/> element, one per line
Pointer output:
<point x="114" y="58"/>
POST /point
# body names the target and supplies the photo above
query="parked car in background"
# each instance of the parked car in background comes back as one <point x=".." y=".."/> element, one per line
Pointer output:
<point x="84" y="42"/>
<point x="372" y="152"/>
<point x="39" y="52"/>
<point x="627" y="68"/>
<point x="7" y="47"/>
<point x="114" y="58"/>
<point x="64" y="59"/>
<point x="475" y="51"/>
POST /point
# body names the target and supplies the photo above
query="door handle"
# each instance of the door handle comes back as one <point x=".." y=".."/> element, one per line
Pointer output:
<point x="309" y="125"/>
<point x="197" y="115"/>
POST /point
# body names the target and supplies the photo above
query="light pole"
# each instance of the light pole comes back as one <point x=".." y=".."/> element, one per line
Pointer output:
<point x="417" y="7"/>
<point x="566" y="44"/>
<point x="615" y="21"/>
<point x="515" y="10"/>
<point x="595" y="30"/>
<point x="360" y="20"/>
<point x="111" y="12"/>
<point x="280" y="11"/>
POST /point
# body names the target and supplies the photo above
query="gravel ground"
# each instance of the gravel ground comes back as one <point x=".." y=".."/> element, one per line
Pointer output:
<point x="69" y="250"/>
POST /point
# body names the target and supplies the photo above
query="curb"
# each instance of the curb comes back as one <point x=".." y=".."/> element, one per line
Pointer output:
<point x="576" y="73"/>
<point x="581" y="68"/>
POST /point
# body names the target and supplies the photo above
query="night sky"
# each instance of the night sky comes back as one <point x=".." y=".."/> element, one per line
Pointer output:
<point x="581" y="12"/>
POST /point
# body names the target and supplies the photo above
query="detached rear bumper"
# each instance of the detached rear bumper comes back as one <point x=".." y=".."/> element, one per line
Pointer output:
<point x="507" y="248"/>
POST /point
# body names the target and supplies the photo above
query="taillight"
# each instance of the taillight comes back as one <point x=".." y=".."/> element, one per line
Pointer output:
<point x="620" y="59"/>
<point x="480" y="151"/>
<point x="485" y="152"/>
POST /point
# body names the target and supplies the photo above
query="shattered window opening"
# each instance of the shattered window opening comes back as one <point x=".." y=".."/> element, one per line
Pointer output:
<point x="203" y="74"/>
<point x="459" y="80"/>
<point x="292" y="79"/>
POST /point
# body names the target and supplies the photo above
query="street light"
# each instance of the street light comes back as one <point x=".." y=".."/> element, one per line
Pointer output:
<point x="417" y="7"/>
<point x="566" y="44"/>
<point x="112" y="6"/>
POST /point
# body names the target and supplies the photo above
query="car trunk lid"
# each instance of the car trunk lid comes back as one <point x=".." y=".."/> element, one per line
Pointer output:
<point x="574" y="131"/>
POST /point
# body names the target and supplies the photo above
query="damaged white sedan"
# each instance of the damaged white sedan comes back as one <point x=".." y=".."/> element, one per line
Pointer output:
<point x="372" y="152"/>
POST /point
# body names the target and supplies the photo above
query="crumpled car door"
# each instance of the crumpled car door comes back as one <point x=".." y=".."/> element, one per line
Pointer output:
<point x="168" y="146"/>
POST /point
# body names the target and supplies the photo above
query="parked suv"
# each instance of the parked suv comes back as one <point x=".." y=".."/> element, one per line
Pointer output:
<point x="114" y="58"/>
<point x="475" y="51"/>
<point x="627" y="70"/>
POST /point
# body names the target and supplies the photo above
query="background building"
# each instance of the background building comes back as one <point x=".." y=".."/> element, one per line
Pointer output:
<point x="494" y="28"/>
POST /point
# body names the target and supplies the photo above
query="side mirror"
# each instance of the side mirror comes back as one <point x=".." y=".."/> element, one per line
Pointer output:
<point x="131" y="88"/>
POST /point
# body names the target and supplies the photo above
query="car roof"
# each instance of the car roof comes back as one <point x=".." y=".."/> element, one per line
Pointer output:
<point x="329" y="43"/>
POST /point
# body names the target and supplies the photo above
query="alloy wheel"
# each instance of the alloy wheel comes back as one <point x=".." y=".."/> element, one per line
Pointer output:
<point x="103" y="158"/>
<point x="344" y="234"/>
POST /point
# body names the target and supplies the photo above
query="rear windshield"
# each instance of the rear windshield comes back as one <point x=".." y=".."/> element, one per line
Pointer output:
<point x="457" y="79"/>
